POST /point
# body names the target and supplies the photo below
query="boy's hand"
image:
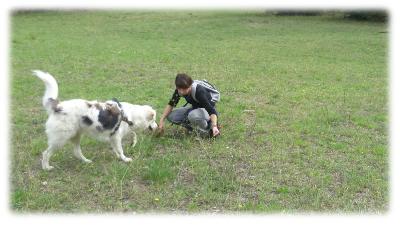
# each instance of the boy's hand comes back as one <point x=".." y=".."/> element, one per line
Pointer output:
<point x="161" y="125"/>
<point x="160" y="129"/>
<point x="215" y="131"/>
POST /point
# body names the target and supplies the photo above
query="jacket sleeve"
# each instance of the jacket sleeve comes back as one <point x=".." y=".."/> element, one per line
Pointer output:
<point x="204" y="99"/>
<point x="174" y="99"/>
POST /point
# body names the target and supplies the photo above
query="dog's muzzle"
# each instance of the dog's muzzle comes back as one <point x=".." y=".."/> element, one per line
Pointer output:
<point x="153" y="129"/>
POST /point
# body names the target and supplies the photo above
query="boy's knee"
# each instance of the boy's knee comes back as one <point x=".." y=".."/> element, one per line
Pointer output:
<point x="174" y="119"/>
<point x="197" y="114"/>
<point x="170" y="117"/>
<point x="198" y="117"/>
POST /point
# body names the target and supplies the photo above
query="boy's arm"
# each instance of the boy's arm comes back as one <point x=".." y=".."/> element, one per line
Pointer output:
<point x="167" y="111"/>
<point x="214" y="120"/>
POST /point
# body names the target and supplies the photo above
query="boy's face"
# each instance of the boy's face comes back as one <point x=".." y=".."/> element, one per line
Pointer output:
<point x="183" y="91"/>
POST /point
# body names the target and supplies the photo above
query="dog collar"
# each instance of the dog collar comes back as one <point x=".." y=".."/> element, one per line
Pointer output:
<point x="124" y="118"/>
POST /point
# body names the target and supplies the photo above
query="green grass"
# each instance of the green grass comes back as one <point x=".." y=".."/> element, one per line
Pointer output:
<point x="317" y="140"/>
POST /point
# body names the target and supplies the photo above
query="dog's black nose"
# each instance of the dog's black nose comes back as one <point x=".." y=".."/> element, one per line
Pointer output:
<point x="150" y="128"/>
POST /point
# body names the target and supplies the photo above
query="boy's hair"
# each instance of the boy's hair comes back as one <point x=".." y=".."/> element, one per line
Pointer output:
<point x="182" y="80"/>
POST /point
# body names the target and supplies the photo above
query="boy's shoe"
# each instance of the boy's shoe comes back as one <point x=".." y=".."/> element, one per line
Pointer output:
<point x="188" y="128"/>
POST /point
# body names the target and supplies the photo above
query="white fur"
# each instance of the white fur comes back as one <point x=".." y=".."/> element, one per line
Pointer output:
<point x="142" y="116"/>
<point x="51" y="86"/>
<point x="67" y="124"/>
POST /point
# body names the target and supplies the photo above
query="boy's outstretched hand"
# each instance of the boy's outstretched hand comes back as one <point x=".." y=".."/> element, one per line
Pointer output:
<point x="215" y="131"/>
<point x="159" y="131"/>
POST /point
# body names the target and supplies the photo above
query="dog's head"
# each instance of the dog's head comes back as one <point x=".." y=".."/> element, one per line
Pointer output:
<point x="151" y="119"/>
<point x="113" y="107"/>
<point x="109" y="114"/>
<point x="114" y="104"/>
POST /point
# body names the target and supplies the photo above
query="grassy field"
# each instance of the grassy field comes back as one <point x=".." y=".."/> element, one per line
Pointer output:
<point x="304" y="112"/>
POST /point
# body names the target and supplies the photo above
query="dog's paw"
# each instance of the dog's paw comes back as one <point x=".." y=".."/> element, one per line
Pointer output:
<point x="87" y="161"/>
<point x="126" y="159"/>
<point x="48" y="168"/>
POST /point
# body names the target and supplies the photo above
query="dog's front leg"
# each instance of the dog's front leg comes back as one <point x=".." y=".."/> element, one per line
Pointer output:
<point x="117" y="148"/>
<point x="46" y="157"/>
<point x="77" y="149"/>
<point x="134" y="139"/>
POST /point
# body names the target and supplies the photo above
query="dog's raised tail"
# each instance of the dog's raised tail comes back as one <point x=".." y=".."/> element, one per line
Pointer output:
<point x="50" y="96"/>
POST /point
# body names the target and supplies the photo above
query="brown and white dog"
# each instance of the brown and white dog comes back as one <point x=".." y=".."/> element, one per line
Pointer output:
<point x="108" y="121"/>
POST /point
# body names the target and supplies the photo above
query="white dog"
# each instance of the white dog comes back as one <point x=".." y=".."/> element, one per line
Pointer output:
<point x="106" y="121"/>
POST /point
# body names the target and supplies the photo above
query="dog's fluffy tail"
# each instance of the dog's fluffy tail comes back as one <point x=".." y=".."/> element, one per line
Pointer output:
<point x="49" y="100"/>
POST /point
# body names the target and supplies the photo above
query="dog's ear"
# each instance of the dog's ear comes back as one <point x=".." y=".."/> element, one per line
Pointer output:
<point x="98" y="106"/>
<point x="113" y="110"/>
<point x="116" y="100"/>
<point x="151" y="115"/>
